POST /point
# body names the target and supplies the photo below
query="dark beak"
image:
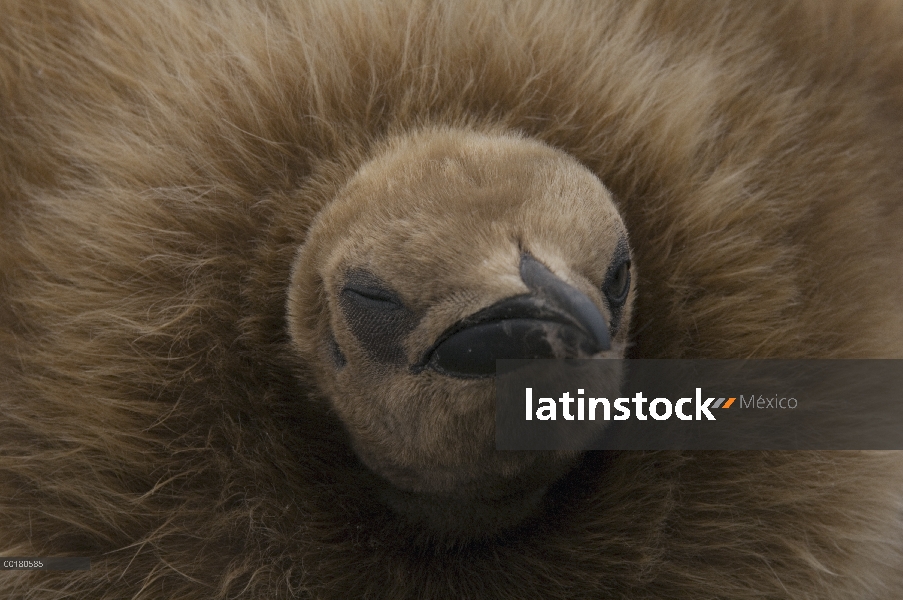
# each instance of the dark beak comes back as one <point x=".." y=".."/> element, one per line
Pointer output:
<point x="555" y="320"/>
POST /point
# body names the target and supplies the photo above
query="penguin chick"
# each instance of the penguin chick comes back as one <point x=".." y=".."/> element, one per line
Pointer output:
<point x="445" y="252"/>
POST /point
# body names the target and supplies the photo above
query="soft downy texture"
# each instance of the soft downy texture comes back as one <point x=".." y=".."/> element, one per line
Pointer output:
<point x="160" y="163"/>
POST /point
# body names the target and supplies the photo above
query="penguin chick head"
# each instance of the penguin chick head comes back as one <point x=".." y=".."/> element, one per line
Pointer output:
<point x="448" y="250"/>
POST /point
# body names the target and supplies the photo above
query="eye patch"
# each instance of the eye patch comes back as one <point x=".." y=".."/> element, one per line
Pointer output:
<point x="376" y="316"/>
<point x="616" y="287"/>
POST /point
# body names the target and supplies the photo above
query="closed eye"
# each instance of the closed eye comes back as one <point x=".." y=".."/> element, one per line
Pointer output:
<point x="617" y="284"/>
<point x="374" y="298"/>
<point x="376" y="316"/>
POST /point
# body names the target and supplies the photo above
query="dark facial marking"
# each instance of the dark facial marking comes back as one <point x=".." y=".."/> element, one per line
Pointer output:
<point x="617" y="284"/>
<point x="338" y="358"/>
<point x="376" y="316"/>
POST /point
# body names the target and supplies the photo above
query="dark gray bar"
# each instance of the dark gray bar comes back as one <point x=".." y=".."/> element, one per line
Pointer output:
<point x="32" y="563"/>
<point x="777" y="404"/>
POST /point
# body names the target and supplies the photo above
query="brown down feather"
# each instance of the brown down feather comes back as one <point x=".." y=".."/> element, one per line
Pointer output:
<point x="161" y="162"/>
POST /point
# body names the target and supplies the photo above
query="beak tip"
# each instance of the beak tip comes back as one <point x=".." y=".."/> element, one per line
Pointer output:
<point x="555" y="320"/>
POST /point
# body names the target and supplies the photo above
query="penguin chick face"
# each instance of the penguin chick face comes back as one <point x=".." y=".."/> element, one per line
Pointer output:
<point x="448" y="250"/>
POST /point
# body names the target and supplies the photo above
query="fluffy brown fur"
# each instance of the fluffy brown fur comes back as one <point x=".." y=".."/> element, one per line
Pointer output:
<point x="161" y="162"/>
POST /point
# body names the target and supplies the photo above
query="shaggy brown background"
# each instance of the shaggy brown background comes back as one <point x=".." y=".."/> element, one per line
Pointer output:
<point x="160" y="162"/>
